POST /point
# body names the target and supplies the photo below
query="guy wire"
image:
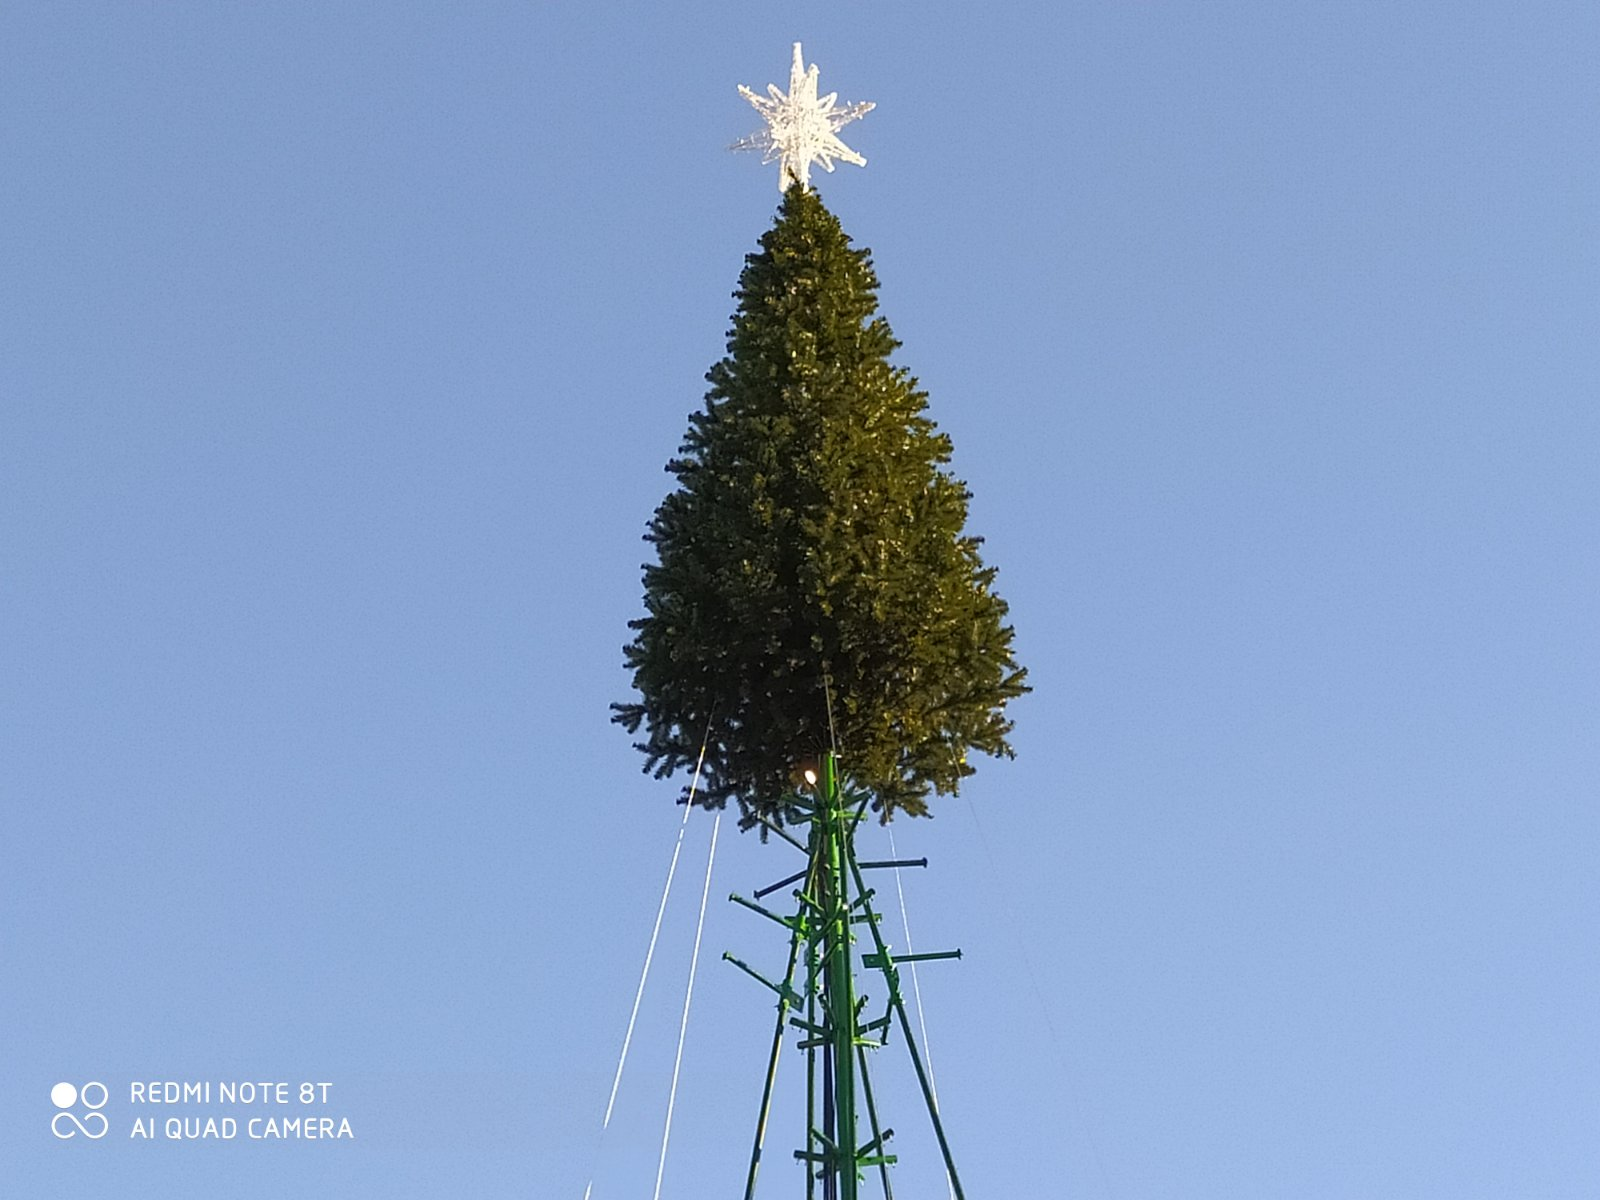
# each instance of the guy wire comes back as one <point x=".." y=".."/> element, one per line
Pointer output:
<point x="649" y="955"/>
<point x="827" y="691"/>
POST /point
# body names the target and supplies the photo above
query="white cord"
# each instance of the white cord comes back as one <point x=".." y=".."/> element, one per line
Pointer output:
<point x="916" y="987"/>
<point x="688" y="995"/>
<point x="650" y="953"/>
<point x="916" y="993"/>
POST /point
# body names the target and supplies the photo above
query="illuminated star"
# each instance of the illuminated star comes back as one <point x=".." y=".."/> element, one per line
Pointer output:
<point x="801" y="129"/>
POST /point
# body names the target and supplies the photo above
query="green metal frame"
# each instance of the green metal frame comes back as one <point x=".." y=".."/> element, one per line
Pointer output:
<point x="832" y="899"/>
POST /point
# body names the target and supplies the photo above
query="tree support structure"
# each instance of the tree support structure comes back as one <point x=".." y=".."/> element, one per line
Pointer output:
<point x="820" y="1002"/>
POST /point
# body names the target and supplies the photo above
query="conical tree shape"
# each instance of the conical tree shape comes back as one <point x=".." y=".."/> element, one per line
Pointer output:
<point x="814" y="557"/>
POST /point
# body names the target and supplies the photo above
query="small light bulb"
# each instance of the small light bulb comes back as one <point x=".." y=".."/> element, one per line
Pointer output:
<point x="811" y="777"/>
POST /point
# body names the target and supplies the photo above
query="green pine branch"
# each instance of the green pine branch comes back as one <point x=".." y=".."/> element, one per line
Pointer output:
<point x="815" y="546"/>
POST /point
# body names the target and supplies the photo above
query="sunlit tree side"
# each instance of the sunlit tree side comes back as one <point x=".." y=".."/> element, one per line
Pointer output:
<point x="814" y="583"/>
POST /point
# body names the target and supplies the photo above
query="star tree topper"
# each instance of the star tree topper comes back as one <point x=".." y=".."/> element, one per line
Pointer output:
<point x="802" y="129"/>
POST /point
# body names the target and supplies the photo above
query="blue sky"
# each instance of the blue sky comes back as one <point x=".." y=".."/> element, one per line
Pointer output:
<point x="343" y="347"/>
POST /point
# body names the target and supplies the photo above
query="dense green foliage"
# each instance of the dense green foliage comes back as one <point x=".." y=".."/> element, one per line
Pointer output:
<point x="814" y="550"/>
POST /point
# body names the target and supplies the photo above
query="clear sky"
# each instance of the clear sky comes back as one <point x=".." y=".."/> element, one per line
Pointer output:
<point x="341" y="348"/>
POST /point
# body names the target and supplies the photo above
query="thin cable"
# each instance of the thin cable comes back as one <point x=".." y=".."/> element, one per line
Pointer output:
<point x="649" y="954"/>
<point x="916" y="994"/>
<point x="916" y="988"/>
<point x="688" y="995"/>
<point x="833" y="736"/>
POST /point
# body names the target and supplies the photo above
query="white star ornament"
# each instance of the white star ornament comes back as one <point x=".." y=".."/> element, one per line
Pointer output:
<point x="802" y="129"/>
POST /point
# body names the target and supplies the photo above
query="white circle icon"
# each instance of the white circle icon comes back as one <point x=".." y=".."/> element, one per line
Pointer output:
<point x="63" y="1095"/>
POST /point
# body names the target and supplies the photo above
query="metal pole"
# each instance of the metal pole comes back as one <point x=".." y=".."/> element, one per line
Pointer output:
<point x="772" y="1065"/>
<point x="841" y="1004"/>
<point x="892" y="977"/>
<point x="811" y="1066"/>
<point x="878" y="1134"/>
<point x="822" y="939"/>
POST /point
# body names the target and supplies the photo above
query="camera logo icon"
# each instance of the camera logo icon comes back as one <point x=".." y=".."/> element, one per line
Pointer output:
<point x="92" y="1098"/>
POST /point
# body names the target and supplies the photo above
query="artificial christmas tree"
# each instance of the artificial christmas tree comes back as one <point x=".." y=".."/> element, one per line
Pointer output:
<point x="821" y="638"/>
<point x="815" y="588"/>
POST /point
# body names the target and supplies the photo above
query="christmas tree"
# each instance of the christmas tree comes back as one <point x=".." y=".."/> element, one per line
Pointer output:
<point x="815" y="587"/>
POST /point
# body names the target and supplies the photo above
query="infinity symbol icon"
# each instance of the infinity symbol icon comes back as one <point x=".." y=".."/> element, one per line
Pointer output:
<point x="83" y="1128"/>
<point x="64" y="1095"/>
